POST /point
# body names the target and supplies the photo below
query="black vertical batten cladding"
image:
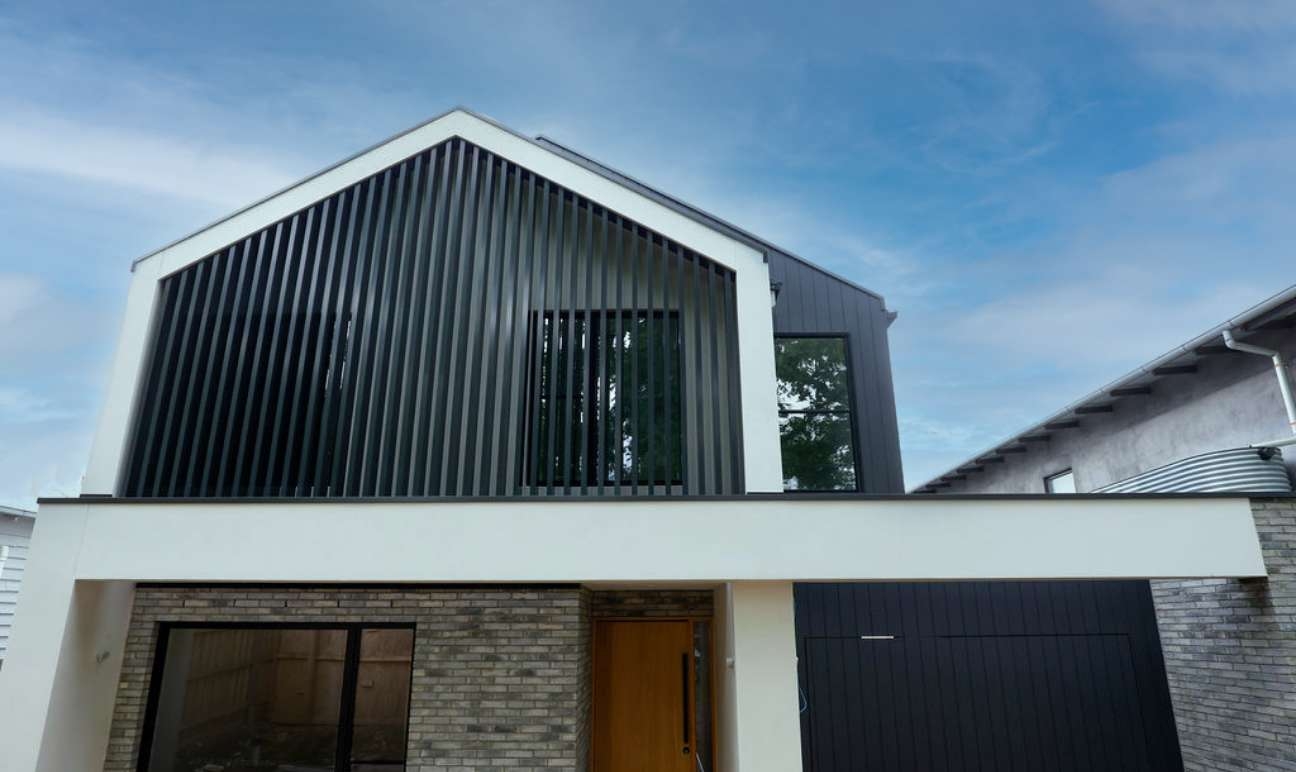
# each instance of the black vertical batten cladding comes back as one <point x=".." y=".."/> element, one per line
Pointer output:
<point x="392" y="340"/>
<point x="1061" y="675"/>
<point x="812" y="301"/>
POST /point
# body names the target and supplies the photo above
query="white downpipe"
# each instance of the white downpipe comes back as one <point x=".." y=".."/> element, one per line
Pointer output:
<point x="1280" y="369"/>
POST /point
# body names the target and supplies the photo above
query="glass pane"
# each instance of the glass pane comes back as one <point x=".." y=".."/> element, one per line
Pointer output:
<point x="382" y="700"/>
<point x="818" y="452"/>
<point x="1063" y="482"/>
<point x="812" y="373"/>
<point x="630" y="412"/>
<point x="249" y="700"/>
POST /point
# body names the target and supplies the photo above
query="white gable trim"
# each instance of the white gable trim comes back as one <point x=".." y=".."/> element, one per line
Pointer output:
<point x="755" y="324"/>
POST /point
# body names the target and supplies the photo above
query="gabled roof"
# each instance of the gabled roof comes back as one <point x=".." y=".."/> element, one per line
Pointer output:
<point x="1277" y="311"/>
<point x="547" y="145"/>
<point x="689" y="210"/>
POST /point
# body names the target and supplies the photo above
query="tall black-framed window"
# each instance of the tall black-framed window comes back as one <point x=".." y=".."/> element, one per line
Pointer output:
<point x="254" y="698"/>
<point x="816" y="419"/>
<point x="606" y="400"/>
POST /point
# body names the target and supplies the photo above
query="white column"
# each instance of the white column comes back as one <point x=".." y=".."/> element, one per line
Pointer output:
<point x="762" y="456"/>
<point x="109" y="445"/>
<point x="60" y="677"/>
<point x="759" y="723"/>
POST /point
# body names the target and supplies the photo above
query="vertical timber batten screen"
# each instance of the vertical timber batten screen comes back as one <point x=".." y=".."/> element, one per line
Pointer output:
<point x="452" y="326"/>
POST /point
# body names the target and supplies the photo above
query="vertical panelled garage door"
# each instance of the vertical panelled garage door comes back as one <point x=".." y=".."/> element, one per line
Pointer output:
<point x="982" y="676"/>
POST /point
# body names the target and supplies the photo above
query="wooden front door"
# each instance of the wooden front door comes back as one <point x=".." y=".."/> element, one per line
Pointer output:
<point x="643" y="711"/>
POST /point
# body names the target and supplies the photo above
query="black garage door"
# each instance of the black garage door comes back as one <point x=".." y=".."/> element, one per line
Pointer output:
<point x="982" y="676"/>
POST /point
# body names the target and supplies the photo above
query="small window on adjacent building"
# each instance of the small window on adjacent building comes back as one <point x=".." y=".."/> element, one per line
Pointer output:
<point x="1062" y="482"/>
<point x="815" y="421"/>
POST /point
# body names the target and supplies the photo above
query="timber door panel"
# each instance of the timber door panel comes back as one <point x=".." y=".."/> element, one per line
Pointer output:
<point x="642" y="714"/>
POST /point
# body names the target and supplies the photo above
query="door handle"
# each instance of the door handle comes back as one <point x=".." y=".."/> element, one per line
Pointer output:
<point x="684" y="681"/>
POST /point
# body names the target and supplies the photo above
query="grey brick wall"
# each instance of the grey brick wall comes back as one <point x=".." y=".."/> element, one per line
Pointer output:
<point x="644" y="604"/>
<point x="1230" y="656"/>
<point x="500" y="675"/>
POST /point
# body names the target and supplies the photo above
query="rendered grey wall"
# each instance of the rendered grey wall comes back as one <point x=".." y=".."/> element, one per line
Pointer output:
<point x="1230" y="402"/>
<point x="813" y="301"/>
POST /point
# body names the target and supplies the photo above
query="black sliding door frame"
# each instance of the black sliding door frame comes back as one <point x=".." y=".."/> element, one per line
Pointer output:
<point x="342" y="761"/>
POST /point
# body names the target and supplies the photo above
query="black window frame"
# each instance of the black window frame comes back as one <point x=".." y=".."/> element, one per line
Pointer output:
<point x="1049" y="478"/>
<point x="852" y="406"/>
<point x="350" y="677"/>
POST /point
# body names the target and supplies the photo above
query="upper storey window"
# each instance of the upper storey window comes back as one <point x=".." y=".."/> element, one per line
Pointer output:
<point x="815" y="417"/>
<point x="607" y="408"/>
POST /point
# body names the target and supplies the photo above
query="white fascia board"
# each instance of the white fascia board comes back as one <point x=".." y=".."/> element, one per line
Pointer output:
<point x="755" y="321"/>
<point x="663" y="541"/>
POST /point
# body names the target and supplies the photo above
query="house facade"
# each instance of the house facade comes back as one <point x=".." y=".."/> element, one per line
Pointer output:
<point x="1214" y="414"/>
<point x="15" y="538"/>
<point x="471" y="453"/>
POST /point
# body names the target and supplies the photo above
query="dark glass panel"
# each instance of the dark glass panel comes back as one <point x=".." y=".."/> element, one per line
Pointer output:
<point x="818" y="452"/>
<point x="815" y="427"/>
<point x="812" y="373"/>
<point x="382" y="700"/>
<point x="249" y="701"/>
<point x="650" y="444"/>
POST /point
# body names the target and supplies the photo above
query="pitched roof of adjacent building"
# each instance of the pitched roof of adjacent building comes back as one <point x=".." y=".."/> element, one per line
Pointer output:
<point x="1276" y="311"/>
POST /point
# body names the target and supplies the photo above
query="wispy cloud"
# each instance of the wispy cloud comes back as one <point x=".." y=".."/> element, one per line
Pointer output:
<point x="146" y="162"/>
<point x="1244" y="48"/>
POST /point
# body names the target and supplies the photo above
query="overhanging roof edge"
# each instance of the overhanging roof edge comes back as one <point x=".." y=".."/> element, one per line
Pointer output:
<point x="1103" y="393"/>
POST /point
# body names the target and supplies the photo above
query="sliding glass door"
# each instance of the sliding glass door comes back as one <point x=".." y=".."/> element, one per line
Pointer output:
<point x="276" y="698"/>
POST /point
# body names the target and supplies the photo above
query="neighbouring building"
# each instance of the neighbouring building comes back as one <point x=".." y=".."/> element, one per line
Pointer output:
<point x="1212" y="415"/>
<point x="15" y="535"/>
<point x="471" y="453"/>
<point x="1201" y="417"/>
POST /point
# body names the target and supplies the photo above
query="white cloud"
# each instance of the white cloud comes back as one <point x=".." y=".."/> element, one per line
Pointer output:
<point x="1244" y="47"/>
<point x="166" y="165"/>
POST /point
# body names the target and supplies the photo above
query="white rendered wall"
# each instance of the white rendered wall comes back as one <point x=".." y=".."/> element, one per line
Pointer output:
<point x="59" y="681"/>
<point x="755" y="321"/>
<point x="65" y="655"/>
<point x="765" y="722"/>
<point x="779" y="538"/>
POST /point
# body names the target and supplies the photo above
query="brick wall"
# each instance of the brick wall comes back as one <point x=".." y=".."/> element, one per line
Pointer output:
<point x="500" y="677"/>
<point x="644" y="604"/>
<point x="1230" y="656"/>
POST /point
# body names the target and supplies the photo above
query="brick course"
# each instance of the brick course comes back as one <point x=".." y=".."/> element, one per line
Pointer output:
<point x="500" y="676"/>
<point x="646" y="604"/>
<point x="1230" y="655"/>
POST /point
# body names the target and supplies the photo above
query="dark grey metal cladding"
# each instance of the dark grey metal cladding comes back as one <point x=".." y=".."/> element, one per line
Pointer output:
<point x="983" y="676"/>
<point x="451" y="326"/>
<point x="811" y="301"/>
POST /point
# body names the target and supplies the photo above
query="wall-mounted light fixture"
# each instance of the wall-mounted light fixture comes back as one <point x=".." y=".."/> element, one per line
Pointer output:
<point x="775" y="288"/>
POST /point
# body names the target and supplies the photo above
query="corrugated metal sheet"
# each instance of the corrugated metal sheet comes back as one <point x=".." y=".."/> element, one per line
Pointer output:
<point x="454" y="325"/>
<point x="1242" y="470"/>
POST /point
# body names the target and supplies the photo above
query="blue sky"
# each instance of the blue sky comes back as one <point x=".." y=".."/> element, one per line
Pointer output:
<point x="1048" y="194"/>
